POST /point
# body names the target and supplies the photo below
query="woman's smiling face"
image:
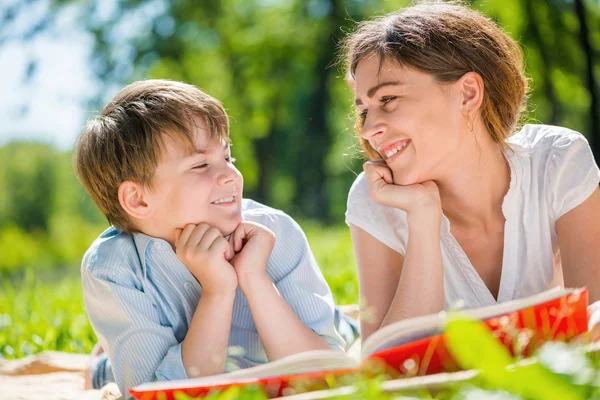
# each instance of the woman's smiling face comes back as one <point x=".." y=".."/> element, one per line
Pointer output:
<point x="413" y="121"/>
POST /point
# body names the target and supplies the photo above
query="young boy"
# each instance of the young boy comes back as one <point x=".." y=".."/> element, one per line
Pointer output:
<point x="190" y="273"/>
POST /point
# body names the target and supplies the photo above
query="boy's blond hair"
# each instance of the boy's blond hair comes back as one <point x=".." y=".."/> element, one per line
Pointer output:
<point x="125" y="141"/>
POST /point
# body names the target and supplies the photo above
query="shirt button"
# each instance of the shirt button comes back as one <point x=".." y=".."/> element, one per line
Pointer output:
<point x="188" y="285"/>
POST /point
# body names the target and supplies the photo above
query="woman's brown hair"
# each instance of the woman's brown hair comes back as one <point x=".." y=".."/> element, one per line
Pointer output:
<point x="447" y="40"/>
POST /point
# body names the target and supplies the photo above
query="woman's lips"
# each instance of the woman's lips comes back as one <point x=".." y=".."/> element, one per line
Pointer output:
<point x="393" y="151"/>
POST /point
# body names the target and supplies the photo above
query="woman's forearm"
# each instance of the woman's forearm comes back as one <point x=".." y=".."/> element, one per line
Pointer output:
<point x="420" y="288"/>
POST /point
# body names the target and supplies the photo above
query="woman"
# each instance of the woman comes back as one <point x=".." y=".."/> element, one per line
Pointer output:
<point x="457" y="203"/>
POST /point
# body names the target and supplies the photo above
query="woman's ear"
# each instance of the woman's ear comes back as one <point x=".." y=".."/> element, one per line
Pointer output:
<point x="472" y="90"/>
<point x="131" y="198"/>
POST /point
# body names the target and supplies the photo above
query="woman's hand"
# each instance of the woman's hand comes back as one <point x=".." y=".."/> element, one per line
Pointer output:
<point x="413" y="199"/>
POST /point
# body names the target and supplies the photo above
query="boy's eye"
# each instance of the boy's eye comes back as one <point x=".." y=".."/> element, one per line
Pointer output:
<point x="230" y="159"/>
<point x="386" y="100"/>
<point x="200" y="166"/>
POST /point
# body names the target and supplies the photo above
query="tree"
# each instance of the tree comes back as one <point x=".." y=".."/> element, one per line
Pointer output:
<point x="270" y="63"/>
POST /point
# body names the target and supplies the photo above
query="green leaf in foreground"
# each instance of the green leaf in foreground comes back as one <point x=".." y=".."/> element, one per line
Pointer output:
<point x="474" y="347"/>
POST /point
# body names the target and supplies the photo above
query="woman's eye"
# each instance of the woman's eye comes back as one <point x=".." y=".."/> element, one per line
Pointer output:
<point x="363" y="115"/>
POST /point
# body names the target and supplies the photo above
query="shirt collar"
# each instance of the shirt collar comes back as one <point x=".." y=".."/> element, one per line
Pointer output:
<point x="143" y="243"/>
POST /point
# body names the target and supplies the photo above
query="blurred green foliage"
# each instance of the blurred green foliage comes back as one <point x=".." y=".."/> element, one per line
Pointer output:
<point x="46" y="219"/>
<point x="272" y="64"/>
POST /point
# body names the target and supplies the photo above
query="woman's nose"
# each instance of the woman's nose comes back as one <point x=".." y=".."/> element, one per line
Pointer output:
<point x="373" y="128"/>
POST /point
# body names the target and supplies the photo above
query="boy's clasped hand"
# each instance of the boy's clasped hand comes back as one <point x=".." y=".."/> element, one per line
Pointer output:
<point x="221" y="264"/>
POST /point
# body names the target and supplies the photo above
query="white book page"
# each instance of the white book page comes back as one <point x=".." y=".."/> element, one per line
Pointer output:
<point x="417" y="328"/>
<point x="311" y="361"/>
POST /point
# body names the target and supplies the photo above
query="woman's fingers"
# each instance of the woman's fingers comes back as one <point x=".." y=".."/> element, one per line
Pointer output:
<point x="378" y="170"/>
<point x="405" y="197"/>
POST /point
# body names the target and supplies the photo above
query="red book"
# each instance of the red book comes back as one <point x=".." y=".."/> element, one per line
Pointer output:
<point x="406" y="348"/>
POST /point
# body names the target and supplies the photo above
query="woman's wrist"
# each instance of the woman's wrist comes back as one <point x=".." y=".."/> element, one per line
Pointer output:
<point x="425" y="219"/>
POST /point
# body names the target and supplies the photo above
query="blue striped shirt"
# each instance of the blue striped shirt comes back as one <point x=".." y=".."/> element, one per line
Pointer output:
<point x="141" y="299"/>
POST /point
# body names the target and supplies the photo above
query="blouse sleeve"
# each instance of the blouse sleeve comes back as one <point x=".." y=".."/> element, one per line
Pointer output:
<point x="571" y="173"/>
<point x="386" y="224"/>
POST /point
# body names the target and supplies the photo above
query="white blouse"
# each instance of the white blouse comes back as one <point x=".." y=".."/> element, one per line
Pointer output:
<point x="552" y="171"/>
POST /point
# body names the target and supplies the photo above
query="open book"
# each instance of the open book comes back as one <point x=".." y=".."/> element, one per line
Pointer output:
<point x="410" y="347"/>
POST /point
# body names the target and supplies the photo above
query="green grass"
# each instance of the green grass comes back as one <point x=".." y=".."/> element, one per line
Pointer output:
<point x="37" y="316"/>
<point x="332" y="248"/>
<point x="44" y="310"/>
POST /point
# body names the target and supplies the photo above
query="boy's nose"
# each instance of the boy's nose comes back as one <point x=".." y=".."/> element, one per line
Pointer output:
<point x="227" y="175"/>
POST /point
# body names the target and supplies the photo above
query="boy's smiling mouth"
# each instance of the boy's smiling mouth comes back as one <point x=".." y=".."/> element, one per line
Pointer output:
<point x="225" y="201"/>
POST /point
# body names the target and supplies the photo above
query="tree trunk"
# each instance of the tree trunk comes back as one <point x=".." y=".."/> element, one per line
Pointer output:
<point x="584" y="39"/>
<point x="311" y="175"/>
<point x="545" y="68"/>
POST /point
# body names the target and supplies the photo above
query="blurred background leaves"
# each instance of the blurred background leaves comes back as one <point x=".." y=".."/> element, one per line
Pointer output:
<point x="272" y="64"/>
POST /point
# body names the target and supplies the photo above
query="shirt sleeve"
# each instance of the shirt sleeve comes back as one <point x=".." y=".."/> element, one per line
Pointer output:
<point x="572" y="174"/>
<point x="295" y="272"/>
<point x="139" y="347"/>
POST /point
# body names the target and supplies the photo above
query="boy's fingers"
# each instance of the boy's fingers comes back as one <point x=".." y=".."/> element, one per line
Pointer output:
<point x="221" y="245"/>
<point x="243" y="231"/>
<point x="229" y="253"/>
<point x="185" y="235"/>
<point x="236" y="238"/>
<point x="208" y="238"/>
<point x="198" y="234"/>
<point x="177" y="235"/>
<point x="231" y="241"/>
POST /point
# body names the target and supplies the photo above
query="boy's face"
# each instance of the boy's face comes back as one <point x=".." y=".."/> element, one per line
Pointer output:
<point x="191" y="188"/>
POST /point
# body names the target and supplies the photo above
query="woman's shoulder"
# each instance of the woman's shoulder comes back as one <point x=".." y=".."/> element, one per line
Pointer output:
<point x="386" y="224"/>
<point x="543" y="139"/>
<point x="551" y="149"/>
<point x="359" y="188"/>
<point x="563" y="163"/>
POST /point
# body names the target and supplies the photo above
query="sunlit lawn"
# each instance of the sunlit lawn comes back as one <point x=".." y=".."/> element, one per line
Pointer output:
<point x="44" y="310"/>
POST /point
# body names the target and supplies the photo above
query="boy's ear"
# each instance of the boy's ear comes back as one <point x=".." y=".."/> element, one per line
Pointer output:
<point x="472" y="88"/>
<point x="131" y="198"/>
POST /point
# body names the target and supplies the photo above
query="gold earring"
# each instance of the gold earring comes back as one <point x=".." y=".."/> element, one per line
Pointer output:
<point x="469" y="123"/>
